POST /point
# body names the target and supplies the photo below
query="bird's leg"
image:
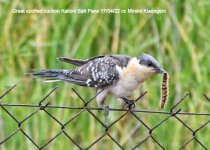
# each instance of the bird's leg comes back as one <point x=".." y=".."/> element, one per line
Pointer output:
<point x="129" y="103"/>
<point x="101" y="97"/>
<point x="106" y="113"/>
<point x="101" y="101"/>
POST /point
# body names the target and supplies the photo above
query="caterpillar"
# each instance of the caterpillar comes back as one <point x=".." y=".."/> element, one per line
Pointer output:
<point x="164" y="90"/>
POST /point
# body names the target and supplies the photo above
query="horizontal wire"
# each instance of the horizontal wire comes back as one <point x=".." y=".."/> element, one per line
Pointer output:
<point x="110" y="109"/>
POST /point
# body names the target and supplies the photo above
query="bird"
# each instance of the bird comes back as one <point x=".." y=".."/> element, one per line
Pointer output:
<point x="118" y="75"/>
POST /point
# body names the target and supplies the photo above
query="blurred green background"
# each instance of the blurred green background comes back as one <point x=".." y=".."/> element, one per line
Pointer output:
<point x="178" y="39"/>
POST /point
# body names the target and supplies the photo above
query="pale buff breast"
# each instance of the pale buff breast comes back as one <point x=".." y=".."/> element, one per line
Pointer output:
<point x="130" y="78"/>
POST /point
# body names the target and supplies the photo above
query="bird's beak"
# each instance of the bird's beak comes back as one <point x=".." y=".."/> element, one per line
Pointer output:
<point x="160" y="70"/>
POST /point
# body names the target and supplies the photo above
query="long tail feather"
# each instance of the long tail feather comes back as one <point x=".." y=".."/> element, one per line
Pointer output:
<point x="50" y="80"/>
<point x="60" y="75"/>
<point x="46" y="73"/>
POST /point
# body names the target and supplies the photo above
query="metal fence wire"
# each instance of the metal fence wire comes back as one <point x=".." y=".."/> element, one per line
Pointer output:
<point x="174" y="112"/>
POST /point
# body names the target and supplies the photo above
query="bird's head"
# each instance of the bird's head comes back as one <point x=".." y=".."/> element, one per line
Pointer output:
<point x="149" y="65"/>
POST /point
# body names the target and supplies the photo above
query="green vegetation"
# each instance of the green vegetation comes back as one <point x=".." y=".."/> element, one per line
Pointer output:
<point x="179" y="39"/>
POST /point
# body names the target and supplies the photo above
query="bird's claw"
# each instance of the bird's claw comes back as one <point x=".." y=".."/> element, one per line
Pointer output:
<point x="130" y="104"/>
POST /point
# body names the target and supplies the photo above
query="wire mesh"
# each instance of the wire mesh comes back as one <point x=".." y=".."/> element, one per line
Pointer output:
<point x="174" y="112"/>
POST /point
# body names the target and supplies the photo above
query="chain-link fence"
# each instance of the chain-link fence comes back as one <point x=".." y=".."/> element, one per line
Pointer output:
<point x="175" y="112"/>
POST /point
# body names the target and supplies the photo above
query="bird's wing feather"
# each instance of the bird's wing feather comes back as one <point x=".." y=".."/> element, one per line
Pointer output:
<point x="121" y="60"/>
<point x="77" y="62"/>
<point x="98" y="73"/>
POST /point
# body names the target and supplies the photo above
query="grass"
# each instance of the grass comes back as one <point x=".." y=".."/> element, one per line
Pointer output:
<point x="179" y="39"/>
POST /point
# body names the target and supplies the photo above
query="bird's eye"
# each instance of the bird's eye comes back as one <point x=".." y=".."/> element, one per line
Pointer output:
<point x="149" y="64"/>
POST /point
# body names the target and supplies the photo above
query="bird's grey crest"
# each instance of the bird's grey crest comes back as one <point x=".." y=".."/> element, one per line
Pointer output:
<point x="149" y="61"/>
